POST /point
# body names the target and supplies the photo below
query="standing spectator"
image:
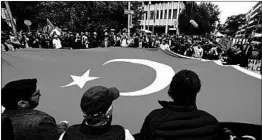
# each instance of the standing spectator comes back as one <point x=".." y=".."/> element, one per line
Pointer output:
<point x="94" y="41"/>
<point x="157" y="42"/>
<point x="97" y="107"/>
<point x="16" y="43"/>
<point x="66" y="40"/>
<point x="130" y="41"/>
<point x="84" y="41"/>
<point x="112" y="38"/>
<point x="43" y="42"/>
<point x="136" y="42"/>
<point x="153" y="43"/>
<point x="180" y="118"/>
<point x="189" y="51"/>
<point x="106" y="43"/>
<point x="172" y="45"/>
<point x="3" y="45"/>
<point x="144" y="42"/>
<point x="213" y="53"/>
<point x="19" y="99"/>
<point x="49" y="41"/>
<point x="35" y="42"/>
<point x="140" y="42"/>
<point x="198" y="51"/>
<point x="77" y="43"/>
<point x="56" y="42"/>
<point x="24" y="41"/>
<point x="8" y="44"/>
<point x="118" y="41"/>
<point x="232" y="55"/>
<point x="71" y="40"/>
<point x="124" y="42"/>
<point x="164" y="45"/>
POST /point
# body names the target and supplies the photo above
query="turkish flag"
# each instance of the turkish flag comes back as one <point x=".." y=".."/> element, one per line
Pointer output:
<point x="64" y="75"/>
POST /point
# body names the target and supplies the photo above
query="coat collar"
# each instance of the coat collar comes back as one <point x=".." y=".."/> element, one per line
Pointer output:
<point x="172" y="105"/>
<point x="94" y="130"/>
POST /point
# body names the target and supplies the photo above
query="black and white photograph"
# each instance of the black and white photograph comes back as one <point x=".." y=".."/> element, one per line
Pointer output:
<point x="131" y="70"/>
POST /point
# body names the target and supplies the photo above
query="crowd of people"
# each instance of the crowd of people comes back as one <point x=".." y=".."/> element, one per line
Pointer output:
<point x="202" y="47"/>
<point x="177" y="119"/>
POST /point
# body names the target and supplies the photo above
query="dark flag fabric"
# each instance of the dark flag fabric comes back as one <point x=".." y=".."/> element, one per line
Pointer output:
<point x="49" y="27"/>
<point x="141" y="75"/>
<point x="50" y="23"/>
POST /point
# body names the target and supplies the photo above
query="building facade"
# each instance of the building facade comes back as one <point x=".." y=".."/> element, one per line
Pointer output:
<point x="253" y="24"/>
<point x="161" y="17"/>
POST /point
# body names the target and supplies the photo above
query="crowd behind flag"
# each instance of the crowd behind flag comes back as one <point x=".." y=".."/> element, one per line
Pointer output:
<point x="212" y="47"/>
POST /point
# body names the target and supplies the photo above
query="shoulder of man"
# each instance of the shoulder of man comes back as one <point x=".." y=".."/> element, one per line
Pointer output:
<point x="42" y="116"/>
<point x="207" y="116"/>
<point x="157" y="114"/>
<point x="117" y="128"/>
<point x="121" y="132"/>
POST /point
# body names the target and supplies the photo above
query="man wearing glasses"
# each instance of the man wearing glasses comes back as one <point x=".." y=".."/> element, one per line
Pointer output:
<point x="19" y="98"/>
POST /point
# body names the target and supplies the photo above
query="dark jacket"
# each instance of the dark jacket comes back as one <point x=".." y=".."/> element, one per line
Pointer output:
<point x="85" y="132"/>
<point x="7" y="131"/>
<point x="33" y="125"/>
<point x="179" y="123"/>
<point x="94" y="43"/>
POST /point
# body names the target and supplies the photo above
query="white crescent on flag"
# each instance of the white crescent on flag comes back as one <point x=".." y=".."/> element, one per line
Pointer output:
<point x="164" y="75"/>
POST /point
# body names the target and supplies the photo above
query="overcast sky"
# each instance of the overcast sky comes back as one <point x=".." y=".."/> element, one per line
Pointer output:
<point x="233" y="8"/>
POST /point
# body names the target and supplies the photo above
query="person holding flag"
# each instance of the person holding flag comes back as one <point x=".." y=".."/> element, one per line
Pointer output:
<point x="56" y="42"/>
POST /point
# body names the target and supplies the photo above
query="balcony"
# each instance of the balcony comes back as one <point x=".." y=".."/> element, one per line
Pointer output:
<point x="250" y="22"/>
<point x="251" y="26"/>
<point x="253" y="15"/>
<point x="159" y="22"/>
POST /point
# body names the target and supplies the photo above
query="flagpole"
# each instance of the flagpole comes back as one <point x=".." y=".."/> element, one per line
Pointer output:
<point x="11" y="17"/>
<point x="154" y="18"/>
<point x="178" y="12"/>
<point x="128" y="22"/>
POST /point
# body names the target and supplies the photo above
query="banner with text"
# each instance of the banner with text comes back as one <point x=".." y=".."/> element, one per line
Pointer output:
<point x="254" y="65"/>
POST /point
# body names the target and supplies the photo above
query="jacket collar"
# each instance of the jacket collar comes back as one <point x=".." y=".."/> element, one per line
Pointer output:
<point x="173" y="106"/>
<point x="94" y="130"/>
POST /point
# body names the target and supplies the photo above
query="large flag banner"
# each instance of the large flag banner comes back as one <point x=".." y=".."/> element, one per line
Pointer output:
<point x="141" y="75"/>
<point x="5" y="15"/>
<point x="50" y="23"/>
<point x="49" y="27"/>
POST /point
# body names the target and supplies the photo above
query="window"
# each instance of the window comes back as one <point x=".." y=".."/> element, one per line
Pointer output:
<point x="151" y="14"/>
<point x="174" y="13"/>
<point x="157" y="14"/>
<point x="165" y="14"/>
<point x="161" y="15"/>
<point x="169" y="14"/>
<point x="146" y="15"/>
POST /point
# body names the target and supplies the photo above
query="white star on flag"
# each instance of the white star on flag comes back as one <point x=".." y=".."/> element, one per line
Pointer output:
<point x="81" y="80"/>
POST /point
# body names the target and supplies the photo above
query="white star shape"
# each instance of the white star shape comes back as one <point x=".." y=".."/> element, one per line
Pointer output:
<point x="81" y="80"/>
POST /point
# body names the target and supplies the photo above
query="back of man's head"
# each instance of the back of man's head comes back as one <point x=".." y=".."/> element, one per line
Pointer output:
<point x="18" y="90"/>
<point x="96" y="104"/>
<point x="184" y="87"/>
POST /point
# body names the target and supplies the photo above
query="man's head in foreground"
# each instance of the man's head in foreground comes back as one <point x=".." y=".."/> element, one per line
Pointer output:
<point x="184" y="88"/>
<point x="21" y="94"/>
<point x="96" y="104"/>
